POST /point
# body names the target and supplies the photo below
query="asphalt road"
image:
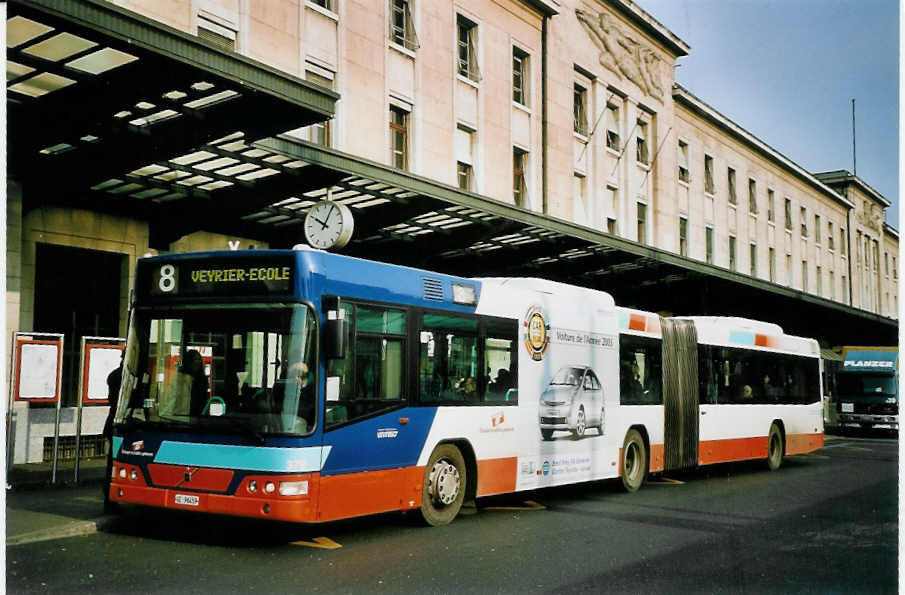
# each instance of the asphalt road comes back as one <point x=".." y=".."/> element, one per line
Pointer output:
<point x="824" y="523"/>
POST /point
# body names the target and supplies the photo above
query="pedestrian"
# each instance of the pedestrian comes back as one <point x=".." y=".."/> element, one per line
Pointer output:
<point x="114" y="381"/>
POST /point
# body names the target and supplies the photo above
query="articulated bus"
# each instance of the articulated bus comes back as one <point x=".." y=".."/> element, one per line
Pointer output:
<point x="308" y="386"/>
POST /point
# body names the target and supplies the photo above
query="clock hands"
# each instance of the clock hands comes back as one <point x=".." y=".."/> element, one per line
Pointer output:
<point x="326" y="217"/>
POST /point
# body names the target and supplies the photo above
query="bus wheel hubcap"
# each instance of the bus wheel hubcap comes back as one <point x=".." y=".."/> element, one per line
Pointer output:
<point x="444" y="483"/>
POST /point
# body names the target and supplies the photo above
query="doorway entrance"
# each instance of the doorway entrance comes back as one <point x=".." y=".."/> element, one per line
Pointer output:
<point x="77" y="292"/>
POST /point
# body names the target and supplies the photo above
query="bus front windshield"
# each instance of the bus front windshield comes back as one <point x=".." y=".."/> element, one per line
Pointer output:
<point x="246" y="369"/>
<point x="867" y="385"/>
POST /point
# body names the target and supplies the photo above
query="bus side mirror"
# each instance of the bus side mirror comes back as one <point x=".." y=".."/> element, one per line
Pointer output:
<point x="336" y="333"/>
<point x="336" y="329"/>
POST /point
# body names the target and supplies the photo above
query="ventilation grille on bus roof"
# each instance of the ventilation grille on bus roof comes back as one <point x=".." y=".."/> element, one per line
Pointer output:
<point x="433" y="289"/>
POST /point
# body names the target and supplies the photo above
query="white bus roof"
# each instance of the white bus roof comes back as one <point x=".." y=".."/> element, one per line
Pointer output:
<point x="552" y="287"/>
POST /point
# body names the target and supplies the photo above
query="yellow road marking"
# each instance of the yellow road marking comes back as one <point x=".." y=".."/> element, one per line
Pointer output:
<point x="665" y="481"/>
<point x="528" y="505"/>
<point x="324" y="543"/>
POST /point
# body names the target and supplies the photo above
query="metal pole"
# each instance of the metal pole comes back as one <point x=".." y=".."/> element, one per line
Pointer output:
<point x="854" y="147"/>
<point x="10" y="437"/>
<point x="56" y="425"/>
<point x="78" y="423"/>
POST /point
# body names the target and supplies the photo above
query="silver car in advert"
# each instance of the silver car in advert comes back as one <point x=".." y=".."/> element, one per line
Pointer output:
<point x="572" y="402"/>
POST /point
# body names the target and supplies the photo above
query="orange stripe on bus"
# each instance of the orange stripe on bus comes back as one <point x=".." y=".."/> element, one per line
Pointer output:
<point x="637" y="322"/>
<point x="370" y="492"/>
<point x="497" y="476"/>
<point x="761" y="340"/>
<point x="802" y="443"/>
<point x="656" y="457"/>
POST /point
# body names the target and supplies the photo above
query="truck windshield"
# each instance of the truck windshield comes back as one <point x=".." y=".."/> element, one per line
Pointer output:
<point x="242" y="369"/>
<point x="871" y="385"/>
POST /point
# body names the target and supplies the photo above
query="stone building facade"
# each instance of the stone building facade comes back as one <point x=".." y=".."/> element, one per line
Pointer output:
<point x="459" y="92"/>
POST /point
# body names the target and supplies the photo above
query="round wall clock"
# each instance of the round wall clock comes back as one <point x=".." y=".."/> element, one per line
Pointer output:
<point x="328" y="225"/>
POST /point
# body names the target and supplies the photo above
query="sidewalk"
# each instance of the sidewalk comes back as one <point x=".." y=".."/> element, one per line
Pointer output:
<point x="38" y="511"/>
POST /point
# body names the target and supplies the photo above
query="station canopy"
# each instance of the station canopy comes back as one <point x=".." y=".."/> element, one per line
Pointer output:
<point x="190" y="137"/>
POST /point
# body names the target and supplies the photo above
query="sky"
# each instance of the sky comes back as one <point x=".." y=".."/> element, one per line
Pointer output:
<point x="787" y="70"/>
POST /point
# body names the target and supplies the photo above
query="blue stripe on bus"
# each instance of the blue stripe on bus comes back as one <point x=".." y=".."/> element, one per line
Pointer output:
<point x="117" y="442"/>
<point x="250" y="458"/>
<point x="381" y="442"/>
<point x="741" y="337"/>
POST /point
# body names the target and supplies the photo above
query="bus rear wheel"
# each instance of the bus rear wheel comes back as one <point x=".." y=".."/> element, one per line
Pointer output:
<point x="774" y="448"/>
<point x="634" y="461"/>
<point x="443" y="489"/>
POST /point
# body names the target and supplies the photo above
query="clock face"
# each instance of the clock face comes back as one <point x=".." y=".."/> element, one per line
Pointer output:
<point x="328" y="225"/>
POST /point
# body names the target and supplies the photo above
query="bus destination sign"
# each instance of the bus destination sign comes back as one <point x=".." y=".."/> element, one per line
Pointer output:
<point x="227" y="279"/>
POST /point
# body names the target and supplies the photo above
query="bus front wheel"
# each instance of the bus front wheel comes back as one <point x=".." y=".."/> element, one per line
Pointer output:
<point x="774" y="448"/>
<point x="443" y="489"/>
<point x="634" y="461"/>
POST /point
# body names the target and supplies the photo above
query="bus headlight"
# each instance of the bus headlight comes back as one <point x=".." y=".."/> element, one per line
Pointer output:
<point x="252" y="486"/>
<point x="133" y="475"/>
<point x="269" y="487"/>
<point x="293" y="488"/>
<point x="122" y="472"/>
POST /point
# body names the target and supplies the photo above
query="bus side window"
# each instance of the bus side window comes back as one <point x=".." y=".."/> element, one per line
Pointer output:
<point x="448" y="359"/>
<point x="500" y="361"/>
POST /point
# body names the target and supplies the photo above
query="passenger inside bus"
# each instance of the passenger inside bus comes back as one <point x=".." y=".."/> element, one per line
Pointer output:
<point x="186" y="393"/>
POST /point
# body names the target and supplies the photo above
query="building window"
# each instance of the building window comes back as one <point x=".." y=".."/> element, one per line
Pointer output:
<point x="520" y="76"/>
<point x="220" y="36"/>
<point x="328" y="4"/>
<point x="832" y="286"/>
<point x="789" y="270"/>
<point x="611" y="202"/>
<point x="683" y="162"/>
<point x="752" y="196"/>
<point x="708" y="174"/>
<point x="895" y="271"/>
<point x="319" y="133"/>
<point x="467" y="42"/>
<point x="463" y="171"/>
<point x="402" y="26"/>
<point x="642" y="223"/>
<point x="844" y="289"/>
<point x="771" y="206"/>
<point x="399" y="137"/>
<point x="771" y="264"/>
<point x="464" y="157"/>
<point x="804" y="275"/>
<point x="579" y="192"/>
<point x="519" y="188"/>
<point x="816" y="229"/>
<point x="641" y="154"/>
<point x="683" y="236"/>
<point x="753" y="260"/>
<point x="612" y="127"/>
<point x="731" y="253"/>
<point x="708" y="245"/>
<point x="886" y="259"/>
<point x="733" y="197"/>
<point x="842" y="242"/>
<point x="788" y="214"/>
<point x="804" y="222"/>
<point x="819" y="272"/>
<point x="580" y="109"/>
<point x="830" y="237"/>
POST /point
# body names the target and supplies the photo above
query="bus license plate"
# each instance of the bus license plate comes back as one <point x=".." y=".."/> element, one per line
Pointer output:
<point x="187" y="500"/>
<point x="848" y="408"/>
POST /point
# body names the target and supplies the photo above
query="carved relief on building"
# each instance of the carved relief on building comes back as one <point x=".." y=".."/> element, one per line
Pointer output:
<point x="871" y="217"/>
<point x="622" y="54"/>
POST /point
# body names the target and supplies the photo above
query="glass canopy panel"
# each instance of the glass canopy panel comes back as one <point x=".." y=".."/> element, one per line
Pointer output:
<point x="59" y="46"/>
<point x="101" y="61"/>
<point x="15" y="70"/>
<point x="19" y="30"/>
<point x="41" y="84"/>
